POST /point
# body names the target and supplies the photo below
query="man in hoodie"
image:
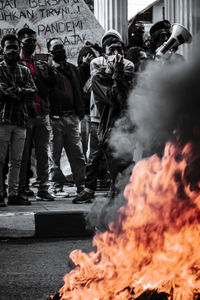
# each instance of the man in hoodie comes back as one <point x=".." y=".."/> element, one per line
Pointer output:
<point x="107" y="87"/>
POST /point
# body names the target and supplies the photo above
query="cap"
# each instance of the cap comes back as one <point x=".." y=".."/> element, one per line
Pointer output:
<point x="138" y="26"/>
<point x="111" y="32"/>
<point x="160" y="27"/>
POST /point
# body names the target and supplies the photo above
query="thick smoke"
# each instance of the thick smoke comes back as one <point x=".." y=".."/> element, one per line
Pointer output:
<point x="165" y="95"/>
<point x="164" y="104"/>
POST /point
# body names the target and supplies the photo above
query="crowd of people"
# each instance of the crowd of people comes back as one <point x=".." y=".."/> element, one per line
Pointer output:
<point x="55" y="106"/>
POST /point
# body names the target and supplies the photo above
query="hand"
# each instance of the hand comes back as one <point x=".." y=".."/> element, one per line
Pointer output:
<point x="88" y="58"/>
<point x="118" y="62"/>
<point x="50" y="60"/>
<point x="88" y="43"/>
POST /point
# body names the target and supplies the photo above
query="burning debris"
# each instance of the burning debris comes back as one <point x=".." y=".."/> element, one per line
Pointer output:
<point x="151" y="250"/>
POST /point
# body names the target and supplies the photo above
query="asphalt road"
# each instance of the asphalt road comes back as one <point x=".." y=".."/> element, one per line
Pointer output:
<point x="33" y="269"/>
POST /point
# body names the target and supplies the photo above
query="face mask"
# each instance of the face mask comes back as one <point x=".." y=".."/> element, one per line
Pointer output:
<point x="29" y="48"/>
<point x="110" y="61"/>
<point x="59" y="55"/>
<point x="12" y="56"/>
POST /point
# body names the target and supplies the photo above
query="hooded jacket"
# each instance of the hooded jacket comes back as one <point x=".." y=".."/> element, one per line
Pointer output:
<point x="110" y="93"/>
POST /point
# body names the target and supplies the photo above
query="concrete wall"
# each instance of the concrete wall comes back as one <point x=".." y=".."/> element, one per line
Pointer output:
<point x="158" y="11"/>
<point x="112" y="14"/>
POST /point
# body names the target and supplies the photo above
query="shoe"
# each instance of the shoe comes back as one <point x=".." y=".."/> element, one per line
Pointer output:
<point x="17" y="200"/>
<point x="59" y="192"/>
<point x="79" y="190"/>
<point x="44" y="196"/>
<point x="57" y="188"/>
<point x="2" y="203"/>
<point x="29" y="192"/>
<point x="84" y="197"/>
<point x="22" y="195"/>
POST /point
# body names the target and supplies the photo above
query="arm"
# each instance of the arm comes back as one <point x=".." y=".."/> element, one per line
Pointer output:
<point x="27" y="88"/>
<point x="112" y="86"/>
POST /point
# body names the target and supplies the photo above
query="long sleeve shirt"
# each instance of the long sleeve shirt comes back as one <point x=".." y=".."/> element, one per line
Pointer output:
<point x="16" y="89"/>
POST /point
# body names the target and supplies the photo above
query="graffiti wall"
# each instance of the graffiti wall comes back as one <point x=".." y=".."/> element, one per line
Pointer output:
<point x="71" y="20"/>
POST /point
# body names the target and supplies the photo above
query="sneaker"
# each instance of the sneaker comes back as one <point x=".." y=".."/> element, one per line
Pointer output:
<point x="17" y="200"/>
<point x="2" y="203"/>
<point x="29" y="192"/>
<point x="59" y="192"/>
<point x="84" y="197"/>
<point x="22" y="195"/>
<point x="44" y="196"/>
<point x="79" y="190"/>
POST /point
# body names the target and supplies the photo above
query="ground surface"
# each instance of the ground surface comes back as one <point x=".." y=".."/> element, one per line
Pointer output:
<point x="32" y="269"/>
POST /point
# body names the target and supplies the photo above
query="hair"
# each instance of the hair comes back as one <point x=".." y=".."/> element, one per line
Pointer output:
<point x="9" y="37"/>
<point x="52" y="39"/>
<point x="83" y="52"/>
<point x="109" y="41"/>
<point x="133" y="53"/>
<point x="22" y="32"/>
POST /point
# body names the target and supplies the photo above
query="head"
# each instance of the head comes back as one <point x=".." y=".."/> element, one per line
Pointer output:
<point x="111" y="33"/>
<point x="28" y="40"/>
<point x="136" y="35"/>
<point x="113" y="46"/>
<point x="159" y="34"/>
<point x="83" y="52"/>
<point x="11" y="48"/>
<point x="138" y="56"/>
<point x="56" y="49"/>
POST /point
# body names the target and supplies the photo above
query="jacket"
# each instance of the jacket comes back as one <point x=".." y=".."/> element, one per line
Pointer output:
<point x="44" y="79"/>
<point x="110" y="93"/>
<point x="71" y="71"/>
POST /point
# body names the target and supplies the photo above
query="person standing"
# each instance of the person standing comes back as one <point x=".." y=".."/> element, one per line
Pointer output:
<point x="17" y="88"/>
<point x="67" y="109"/>
<point x="38" y="128"/>
<point x="114" y="85"/>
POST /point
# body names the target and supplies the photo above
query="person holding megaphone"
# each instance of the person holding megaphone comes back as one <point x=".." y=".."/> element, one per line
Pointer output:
<point x="166" y="38"/>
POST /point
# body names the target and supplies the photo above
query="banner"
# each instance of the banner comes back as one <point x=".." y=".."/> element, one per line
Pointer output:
<point x="70" y="20"/>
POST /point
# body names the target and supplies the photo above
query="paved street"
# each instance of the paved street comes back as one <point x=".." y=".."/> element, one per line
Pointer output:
<point x="32" y="269"/>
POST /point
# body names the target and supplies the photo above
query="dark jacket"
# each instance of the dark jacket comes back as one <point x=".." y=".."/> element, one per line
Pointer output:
<point x="110" y="94"/>
<point x="71" y="71"/>
<point x="84" y="72"/>
<point x="44" y="79"/>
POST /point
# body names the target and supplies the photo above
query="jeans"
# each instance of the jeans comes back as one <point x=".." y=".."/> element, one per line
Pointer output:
<point x="38" y="131"/>
<point x="65" y="133"/>
<point x="12" y="137"/>
<point x="85" y="131"/>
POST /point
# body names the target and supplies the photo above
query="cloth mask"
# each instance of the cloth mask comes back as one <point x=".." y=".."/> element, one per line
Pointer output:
<point x="12" y="56"/>
<point x="59" y="55"/>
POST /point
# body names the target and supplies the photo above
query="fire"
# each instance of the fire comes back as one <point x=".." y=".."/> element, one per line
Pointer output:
<point x="153" y="245"/>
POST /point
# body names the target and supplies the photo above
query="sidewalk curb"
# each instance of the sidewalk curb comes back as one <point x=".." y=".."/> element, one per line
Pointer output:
<point x="44" y="224"/>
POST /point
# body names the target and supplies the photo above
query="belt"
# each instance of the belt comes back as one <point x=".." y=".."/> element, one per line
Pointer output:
<point x="63" y="114"/>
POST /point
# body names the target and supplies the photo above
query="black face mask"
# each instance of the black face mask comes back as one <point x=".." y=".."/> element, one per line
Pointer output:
<point x="59" y="55"/>
<point x="29" y="48"/>
<point x="12" y="56"/>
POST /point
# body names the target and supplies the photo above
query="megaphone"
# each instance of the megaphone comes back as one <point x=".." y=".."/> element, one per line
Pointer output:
<point x="180" y="35"/>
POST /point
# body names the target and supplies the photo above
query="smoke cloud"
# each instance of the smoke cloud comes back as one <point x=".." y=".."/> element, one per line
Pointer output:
<point x="164" y="104"/>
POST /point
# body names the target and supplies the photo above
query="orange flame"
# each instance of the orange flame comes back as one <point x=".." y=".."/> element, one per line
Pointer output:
<point x="154" y="242"/>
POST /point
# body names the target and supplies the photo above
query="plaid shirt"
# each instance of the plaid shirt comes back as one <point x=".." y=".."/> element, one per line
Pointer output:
<point x="13" y="108"/>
